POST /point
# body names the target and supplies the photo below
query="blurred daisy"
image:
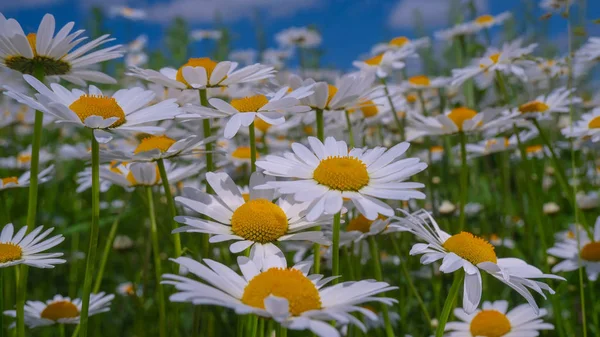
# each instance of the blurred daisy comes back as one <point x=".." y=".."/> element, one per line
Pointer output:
<point x="23" y="179"/>
<point x="126" y="110"/>
<point x="385" y="63"/>
<point x="578" y="250"/>
<point x="51" y="54"/>
<point x="258" y="222"/>
<point x="136" y="59"/>
<point x="290" y="296"/>
<point x="27" y="249"/>
<point x="127" y="12"/>
<point x="550" y="208"/>
<point x="138" y="44"/>
<point x="298" y="37"/>
<point x="345" y="94"/>
<point x="587" y="127"/>
<point x="276" y="57"/>
<point x="129" y="289"/>
<point x="243" y="56"/>
<point x="153" y="148"/>
<point x="400" y="42"/>
<point x="499" y="144"/>
<point x="329" y="173"/>
<point x="587" y="201"/>
<point x="23" y="159"/>
<point x="455" y="31"/>
<point x="201" y="73"/>
<point x="61" y="310"/>
<point x="487" y="21"/>
<point x="558" y="101"/>
<point x="204" y="34"/>
<point x="360" y="228"/>
<point x="474" y="255"/>
<point x="420" y="82"/>
<point x="506" y="60"/>
<point x="555" y="5"/>
<point x="494" y="320"/>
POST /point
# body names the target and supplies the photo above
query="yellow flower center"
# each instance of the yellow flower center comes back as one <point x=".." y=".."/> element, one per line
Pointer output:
<point x="7" y="180"/>
<point x="330" y="93"/>
<point x="60" y="309"/>
<point x="32" y="38"/>
<point x="399" y="41"/>
<point x="308" y="129"/>
<point x="490" y="323"/>
<point x="96" y="105"/>
<point x="290" y="284"/>
<point x="246" y="196"/>
<point x="250" y="103"/>
<point x="436" y="149"/>
<point x="419" y="80"/>
<point x="492" y="142"/>
<point x="594" y="123"/>
<point x="460" y="115"/>
<point x="261" y="125"/>
<point x="534" y="149"/>
<point x="471" y="248"/>
<point x="411" y="98"/>
<point x="49" y="66"/>
<point x="24" y="158"/>
<point x="484" y="19"/>
<point x="342" y="173"/>
<point x="10" y="252"/>
<point x="495" y="57"/>
<point x="204" y="62"/>
<point x="591" y="252"/>
<point x="259" y="220"/>
<point x="362" y="224"/>
<point x="243" y="152"/>
<point x="369" y="109"/>
<point x="535" y="106"/>
<point x="162" y="143"/>
<point x="375" y="60"/>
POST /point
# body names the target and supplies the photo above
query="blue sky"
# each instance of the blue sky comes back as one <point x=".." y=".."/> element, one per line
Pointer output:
<point x="349" y="27"/>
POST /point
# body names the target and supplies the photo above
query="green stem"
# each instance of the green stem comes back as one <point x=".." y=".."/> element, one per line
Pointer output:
<point x="389" y="330"/>
<point x="73" y="268"/>
<point x="399" y="124"/>
<point x="106" y="252"/>
<point x="61" y="330"/>
<point x="502" y="87"/>
<point x="210" y="166"/>
<point x="320" y="125"/>
<point x="449" y="303"/>
<point x="252" y="147"/>
<point x="350" y="132"/>
<point x="170" y="203"/>
<point x="93" y="244"/>
<point x="335" y="248"/>
<point x="464" y="177"/>
<point x="261" y="327"/>
<point x="162" y="321"/>
<point x="1" y="302"/>
<point x="282" y="332"/>
<point x="316" y="246"/>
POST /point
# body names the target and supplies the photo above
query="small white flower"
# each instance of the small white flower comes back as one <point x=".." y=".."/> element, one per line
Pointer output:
<point x="27" y="249"/>
<point x="578" y="250"/>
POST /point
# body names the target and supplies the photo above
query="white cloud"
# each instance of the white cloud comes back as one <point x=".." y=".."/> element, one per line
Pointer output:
<point x="205" y="11"/>
<point x="435" y="13"/>
<point x="6" y="5"/>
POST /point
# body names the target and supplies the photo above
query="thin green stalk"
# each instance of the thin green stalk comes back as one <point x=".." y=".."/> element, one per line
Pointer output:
<point x="73" y="266"/>
<point x="582" y="298"/>
<point x="252" y="134"/>
<point x="2" y="302"/>
<point x="320" y="125"/>
<point x="261" y="328"/>
<point x="464" y="177"/>
<point x="210" y="166"/>
<point x="321" y="137"/>
<point x="449" y="303"/>
<point x="350" y="132"/>
<point x="282" y="332"/>
<point x="335" y="248"/>
<point x="389" y="330"/>
<point x="106" y="252"/>
<point x="596" y="315"/>
<point x="170" y="203"/>
<point x="61" y="330"/>
<point x="93" y="244"/>
<point x="162" y="313"/>
<point x="503" y="88"/>
<point x="399" y="124"/>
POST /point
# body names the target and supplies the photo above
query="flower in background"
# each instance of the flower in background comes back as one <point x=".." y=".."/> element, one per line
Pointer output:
<point x="23" y="159"/>
<point x="154" y="148"/>
<point x="400" y="42"/>
<point x="298" y="37"/>
<point x="290" y="296"/>
<point x="204" y="34"/>
<point x="587" y="127"/>
<point x="24" y="249"/>
<point x="127" y="12"/>
<point x="385" y="63"/>
<point x="555" y="5"/>
<point x="542" y="107"/>
<point x="493" y="320"/>
<point x="488" y="21"/>
<point x="243" y="56"/>
<point x="50" y="55"/>
<point x="23" y="179"/>
<point x="61" y="310"/>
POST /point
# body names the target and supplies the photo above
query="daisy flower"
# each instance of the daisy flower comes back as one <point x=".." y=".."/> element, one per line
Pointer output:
<point x="258" y="222"/>
<point x="126" y="110"/>
<point x="400" y="42"/>
<point x="202" y="73"/>
<point x="506" y="60"/>
<point x="329" y="173"/>
<point x="487" y="21"/>
<point x="474" y="255"/>
<point x="51" y="54"/>
<point x="205" y="34"/>
<point x="290" y="296"/>
<point x="345" y="94"/>
<point x="298" y="37"/>
<point x="153" y="148"/>
<point x="543" y="106"/>
<point x="578" y="250"/>
<point x="242" y="112"/>
<point x="127" y="12"/>
<point x="555" y="5"/>
<point x="27" y="249"/>
<point x="587" y="127"/>
<point x="590" y="51"/>
<point x="385" y="63"/>
<point x="360" y="228"/>
<point x="494" y="320"/>
<point x="420" y="82"/>
<point x="61" y="310"/>
<point x="23" y="179"/>
<point x="244" y="56"/>
<point x="23" y="159"/>
<point x="499" y="144"/>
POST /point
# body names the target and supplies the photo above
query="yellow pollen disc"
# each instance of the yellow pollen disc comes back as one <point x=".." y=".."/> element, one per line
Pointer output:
<point x="243" y="152"/>
<point x="332" y="90"/>
<point x="10" y="252"/>
<point x="436" y="149"/>
<point x="60" y="309"/>
<point x="535" y="106"/>
<point x="7" y="180"/>
<point x="362" y="224"/>
<point x="24" y="158"/>
<point x="261" y="125"/>
<point x="460" y="115"/>
<point x="490" y="323"/>
<point x="591" y="252"/>
<point x="250" y="103"/>
<point x="342" y="173"/>
<point x="290" y="284"/>
<point x="411" y="98"/>
<point x="420" y="80"/>
<point x="162" y="143"/>
<point x="95" y="105"/>
<point x="308" y="130"/>
<point x="259" y="220"/>
<point x="495" y="57"/>
<point x="471" y="248"/>
<point x="204" y="62"/>
<point x="399" y="41"/>
<point x="594" y="123"/>
<point x="375" y="60"/>
<point x="533" y="149"/>
<point x="369" y="109"/>
<point x="246" y="196"/>
<point x="31" y="38"/>
<point x="484" y="19"/>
